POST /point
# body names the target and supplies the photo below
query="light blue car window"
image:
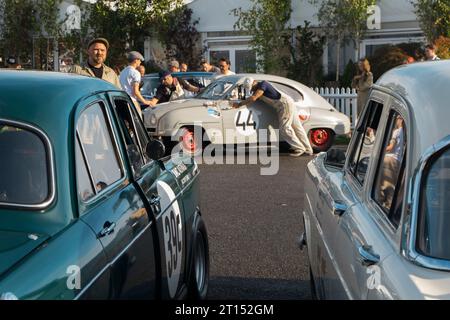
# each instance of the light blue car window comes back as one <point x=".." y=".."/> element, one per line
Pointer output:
<point x="24" y="178"/>
<point x="434" y="219"/>
<point x="388" y="187"/>
<point x="102" y="157"/>
<point x="216" y="90"/>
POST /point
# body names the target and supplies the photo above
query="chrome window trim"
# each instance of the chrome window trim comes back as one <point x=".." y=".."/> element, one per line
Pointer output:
<point x="410" y="224"/>
<point x="50" y="163"/>
<point x="352" y="180"/>
<point x="400" y="110"/>
<point x="120" y="181"/>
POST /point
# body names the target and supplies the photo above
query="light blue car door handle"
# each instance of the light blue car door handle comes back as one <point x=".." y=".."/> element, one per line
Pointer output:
<point x="367" y="257"/>
<point x="339" y="208"/>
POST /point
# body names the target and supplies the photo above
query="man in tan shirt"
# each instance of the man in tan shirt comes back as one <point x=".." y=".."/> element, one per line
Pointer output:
<point x="95" y="65"/>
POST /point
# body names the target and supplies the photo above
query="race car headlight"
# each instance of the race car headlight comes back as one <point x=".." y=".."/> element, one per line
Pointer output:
<point x="303" y="115"/>
<point x="153" y="120"/>
<point x="8" y="296"/>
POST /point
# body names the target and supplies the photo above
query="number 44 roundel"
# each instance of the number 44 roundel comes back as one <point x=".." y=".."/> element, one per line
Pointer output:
<point x="246" y="121"/>
<point x="173" y="235"/>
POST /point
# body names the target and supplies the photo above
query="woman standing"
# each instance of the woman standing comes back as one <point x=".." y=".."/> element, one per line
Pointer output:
<point x="362" y="83"/>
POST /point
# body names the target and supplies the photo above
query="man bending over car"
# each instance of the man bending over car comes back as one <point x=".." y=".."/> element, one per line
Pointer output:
<point x="291" y="129"/>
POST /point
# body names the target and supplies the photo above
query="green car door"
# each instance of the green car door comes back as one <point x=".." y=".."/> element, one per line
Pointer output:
<point x="161" y="193"/>
<point x="110" y="203"/>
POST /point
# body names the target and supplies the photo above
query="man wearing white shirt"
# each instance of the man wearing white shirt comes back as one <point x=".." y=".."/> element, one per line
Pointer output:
<point x="224" y="66"/>
<point x="130" y="79"/>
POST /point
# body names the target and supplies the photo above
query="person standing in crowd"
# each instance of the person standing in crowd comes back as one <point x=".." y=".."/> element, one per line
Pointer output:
<point x="430" y="53"/>
<point x="169" y="89"/>
<point x="13" y="63"/>
<point x="224" y="66"/>
<point x="183" y="67"/>
<point x="291" y="129"/>
<point x="174" y="66"/>
<point x="95" y="65"/>
<point x="130" y="79"/>
<point x="206" y="67"/>
<point x="362" y="83"/>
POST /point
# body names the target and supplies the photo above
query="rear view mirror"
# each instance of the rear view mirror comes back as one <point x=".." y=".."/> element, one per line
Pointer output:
<point x="155" y="149"/>
<point x="335" y="158"/>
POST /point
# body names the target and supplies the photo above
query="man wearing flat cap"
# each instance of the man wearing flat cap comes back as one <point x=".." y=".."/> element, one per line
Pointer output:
<point x="170" y="89"/>
<point x="174" y="66"/>
<point x="95" y="65"/>
<point x="130" y="79"/>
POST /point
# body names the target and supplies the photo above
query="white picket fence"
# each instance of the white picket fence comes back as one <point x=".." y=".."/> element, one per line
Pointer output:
<point x="343" y="99"/>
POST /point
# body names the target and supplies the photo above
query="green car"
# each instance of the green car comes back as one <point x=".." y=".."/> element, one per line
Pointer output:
<point x="88" y="208"/>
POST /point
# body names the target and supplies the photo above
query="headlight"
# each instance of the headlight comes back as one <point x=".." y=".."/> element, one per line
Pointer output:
<point x="8" y="296"/>
<point x="153" y="120"/>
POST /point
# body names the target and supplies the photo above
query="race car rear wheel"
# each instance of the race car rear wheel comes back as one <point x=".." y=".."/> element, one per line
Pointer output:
<point x="321" y="139"/>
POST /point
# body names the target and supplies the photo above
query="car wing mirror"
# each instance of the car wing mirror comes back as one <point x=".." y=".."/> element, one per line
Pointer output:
<point x="155" y="150"/>
<point x="335" y="158"/>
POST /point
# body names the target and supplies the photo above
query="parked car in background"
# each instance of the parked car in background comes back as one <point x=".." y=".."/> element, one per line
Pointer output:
<point x="199" y="79"/>
<point x="377" y="218"/>
<point x="211" y="113"/>
<point x="88" y="207"/>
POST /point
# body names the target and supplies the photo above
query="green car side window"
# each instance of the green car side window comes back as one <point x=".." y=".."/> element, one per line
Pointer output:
<point x="24" y="178"/>
<point x="98" y="148"/>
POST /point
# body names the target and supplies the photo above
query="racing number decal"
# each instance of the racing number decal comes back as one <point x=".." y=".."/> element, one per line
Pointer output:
<point x="246" y="122"/>
<point x="173" y="235"/>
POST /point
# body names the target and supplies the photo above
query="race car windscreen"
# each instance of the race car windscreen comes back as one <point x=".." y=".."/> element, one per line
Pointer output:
<point x="216" y="90"/>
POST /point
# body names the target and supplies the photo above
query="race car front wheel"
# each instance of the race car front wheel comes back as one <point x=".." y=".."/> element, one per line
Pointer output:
<point x="321" y="139"/>
<point x="199" y="280"/>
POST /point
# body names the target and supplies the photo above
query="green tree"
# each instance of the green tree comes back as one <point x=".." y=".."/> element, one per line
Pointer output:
<point x="178" y="33"/>
<point x="341" y="20"/>
<point x="434" y="17"/>
<point x="267" y="22"/>
<point x="126" y="23"/>
<point x="305" y="64"/>
<point x="18" y="24"/>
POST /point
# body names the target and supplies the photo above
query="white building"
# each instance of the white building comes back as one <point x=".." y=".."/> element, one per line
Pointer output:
<point x="398" y="24"/>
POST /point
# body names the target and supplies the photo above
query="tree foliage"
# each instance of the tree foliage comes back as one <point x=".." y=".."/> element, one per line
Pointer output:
<point x="178" y="33"/>
<point x="434" y="17"/>
<point x="267" y="22"/>
<point x="18" y="25"/>
<point x="443" y="47"/>
<point x="305" y="64"/>
<point x="343" y="19"/>
<point x="126" y="23"/>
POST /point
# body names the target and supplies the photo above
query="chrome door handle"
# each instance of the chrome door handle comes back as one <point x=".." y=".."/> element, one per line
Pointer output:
<point x="367" y="257"/>
<point x="339" y="208"/>
<point x="107" y="230"/>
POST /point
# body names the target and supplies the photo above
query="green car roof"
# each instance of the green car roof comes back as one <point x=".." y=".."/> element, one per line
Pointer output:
<point x="47" y="100"/>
